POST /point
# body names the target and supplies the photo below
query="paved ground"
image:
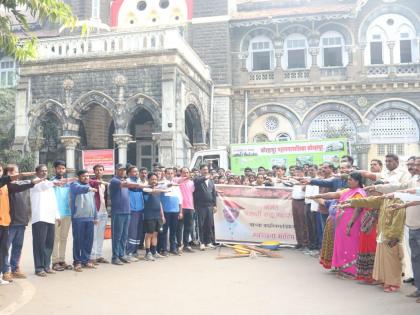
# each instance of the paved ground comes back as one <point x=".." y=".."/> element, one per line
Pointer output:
<point x="199" y="284"/>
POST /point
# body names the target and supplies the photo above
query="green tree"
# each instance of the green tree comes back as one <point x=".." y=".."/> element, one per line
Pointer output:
<point x="14" y="12"/>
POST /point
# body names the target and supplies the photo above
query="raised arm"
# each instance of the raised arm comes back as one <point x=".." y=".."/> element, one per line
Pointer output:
<point x="329" y="195"/>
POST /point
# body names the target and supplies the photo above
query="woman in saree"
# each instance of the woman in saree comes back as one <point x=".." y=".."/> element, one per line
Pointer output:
<point x="327" y="249"/>
<point x="347" y="227"/>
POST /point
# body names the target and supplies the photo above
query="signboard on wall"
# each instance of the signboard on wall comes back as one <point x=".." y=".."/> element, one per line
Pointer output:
<point x="104" y="157"/>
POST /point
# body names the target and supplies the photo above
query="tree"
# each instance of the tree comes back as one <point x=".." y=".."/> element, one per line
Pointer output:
<point x="15" y="12"/>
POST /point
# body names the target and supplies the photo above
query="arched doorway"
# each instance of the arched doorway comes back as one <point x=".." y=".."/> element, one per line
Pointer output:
<point x="49" y="128"/>
<point x="144" y="152"/>
<point x="96" y="128"/>
<point x="193" y="127"/>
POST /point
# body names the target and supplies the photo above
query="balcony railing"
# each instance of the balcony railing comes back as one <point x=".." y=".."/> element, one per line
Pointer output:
<point x="380" y="71"/>
<point x="264" y="76"/>
<point x="296" y="75"/>
<point x="118" y="43"/>
<point x="339" y="73"/>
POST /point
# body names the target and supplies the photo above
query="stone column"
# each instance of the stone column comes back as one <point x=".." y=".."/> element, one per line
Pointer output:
<point x="70" y="143"/>
<point x="167" y="149"/>
<point x="22" y="117"/>
<point x="361" y="58"/>
<point x="278" y="71"/>
<point x="362" y="151"/>
<point x="122" y="140"/>
<point x="314" y="73"/>
<point x="392" y="70"/>
<point x="35" y="145"/>
<point x="351" y="69"/>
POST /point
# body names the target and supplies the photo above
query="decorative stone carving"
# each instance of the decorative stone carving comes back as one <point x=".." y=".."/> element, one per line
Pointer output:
<point x="68" y="84"/>
<point x="361" y="148"/>
<point x="122" y="140"/>
<point x="362" y="101"/>
<point x="120" y="80"/>
<point x="70" y="142"/>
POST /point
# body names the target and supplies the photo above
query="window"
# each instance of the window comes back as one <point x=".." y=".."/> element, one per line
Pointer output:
<point x="7" y="73"/>
<point x="262" y="55"/>
<point x="260" y="138"/>
<point x="395" y="126"/>
<point x="376" y="50"/>
<point x="96" y="10"/>
<point x="282" y="137"/>
<point x="296" y="53"/>
<point x="332" y="48"/>
<point x="331" y="124"/>
<point x="381" y="149"/>
<point x="405" y="48"/>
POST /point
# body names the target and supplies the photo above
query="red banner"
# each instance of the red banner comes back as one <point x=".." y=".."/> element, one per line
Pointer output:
<point x="104" y="157"/>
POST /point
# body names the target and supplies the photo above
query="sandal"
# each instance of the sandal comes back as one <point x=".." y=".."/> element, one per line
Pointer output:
<point x="391" y="289"/>
<point x="78" y="268"/>
<point x="89" y="265"/>
<point x="58" y="267"/>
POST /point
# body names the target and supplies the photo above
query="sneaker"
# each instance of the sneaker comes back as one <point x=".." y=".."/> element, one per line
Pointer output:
<point x="188" y="249"/>
<point x="132" y="259"/>
<point x="164" y="254"/>
<point x="4" y="282"/>
<point x="7" y="276"/>
<point x="202" y="247"/>
<point x="175" y="252"/>
<point x="210" y="246"/>
<point x="18" y="275"/>
<point x="125" y="260"/>
<point x="157" y="255"/>
<point x="149" y="257"/>
<point x="117" y="262"/>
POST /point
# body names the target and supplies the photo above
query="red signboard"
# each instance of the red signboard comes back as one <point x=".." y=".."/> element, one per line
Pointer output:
<point x="104" y="157"/>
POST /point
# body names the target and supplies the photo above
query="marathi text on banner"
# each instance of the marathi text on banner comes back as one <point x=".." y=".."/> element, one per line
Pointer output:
<point x="104" y="157"/>
<point x="248" y="214"/>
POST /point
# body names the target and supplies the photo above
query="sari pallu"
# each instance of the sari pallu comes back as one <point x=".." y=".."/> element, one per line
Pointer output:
<point x="327" y="249"/>
<point x="346" y="247"/>
<point x="367" y="245"/>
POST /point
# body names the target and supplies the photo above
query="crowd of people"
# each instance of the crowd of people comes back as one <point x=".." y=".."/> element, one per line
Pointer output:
<point x="363" y="225"/>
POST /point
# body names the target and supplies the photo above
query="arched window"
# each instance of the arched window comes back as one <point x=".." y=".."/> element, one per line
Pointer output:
<point x="376" y="49"/>
<point x="282" y="137"/>
<point x="387" y="29"/>
<point x="332" y="45"/>
<point x="393" y="126"/>
<point x="331" y="124"/>
<point x="261" y="54"/>
<point x="296" y="51"/>
<point x="260" y="138"/>
<point x="406" y="44"/>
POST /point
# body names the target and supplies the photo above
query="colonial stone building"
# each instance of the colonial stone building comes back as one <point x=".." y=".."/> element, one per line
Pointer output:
<point x="159" y="79"/>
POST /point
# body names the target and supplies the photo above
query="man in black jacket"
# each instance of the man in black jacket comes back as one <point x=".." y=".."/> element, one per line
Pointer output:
<point x="20" y="214"/>
<point x="205" y="204"/>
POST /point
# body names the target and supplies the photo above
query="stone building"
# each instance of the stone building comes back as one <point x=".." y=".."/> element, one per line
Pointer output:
<point x="160" y="79"/>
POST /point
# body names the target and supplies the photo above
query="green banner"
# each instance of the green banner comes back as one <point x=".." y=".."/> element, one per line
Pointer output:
<point x="286" y="153"/>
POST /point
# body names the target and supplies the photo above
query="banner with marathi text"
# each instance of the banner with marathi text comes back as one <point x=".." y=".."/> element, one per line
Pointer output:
<point x="104" y="157"/>
<point x="247" y="214"/>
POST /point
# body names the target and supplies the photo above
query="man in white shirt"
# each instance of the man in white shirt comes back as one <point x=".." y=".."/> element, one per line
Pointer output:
<point x="45" y="214"/>
<point x="393" y="173"/>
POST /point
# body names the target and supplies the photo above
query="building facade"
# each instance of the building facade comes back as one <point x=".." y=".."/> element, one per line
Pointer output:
<point x="159" y="79"/>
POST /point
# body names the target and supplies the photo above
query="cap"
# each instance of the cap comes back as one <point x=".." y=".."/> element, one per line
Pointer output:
<point x="119" y="166"/>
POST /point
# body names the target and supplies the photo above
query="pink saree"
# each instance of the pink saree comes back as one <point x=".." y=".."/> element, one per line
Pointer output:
<point x="346" y="247"/>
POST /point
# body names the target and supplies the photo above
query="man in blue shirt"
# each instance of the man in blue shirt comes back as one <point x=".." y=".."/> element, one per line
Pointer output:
<point x="135" y="229"/>
<point x="120" y="214"/>
<point x="84" y="217"/>
<point x="62" y="194"/>
<point x="172" y="209"/>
